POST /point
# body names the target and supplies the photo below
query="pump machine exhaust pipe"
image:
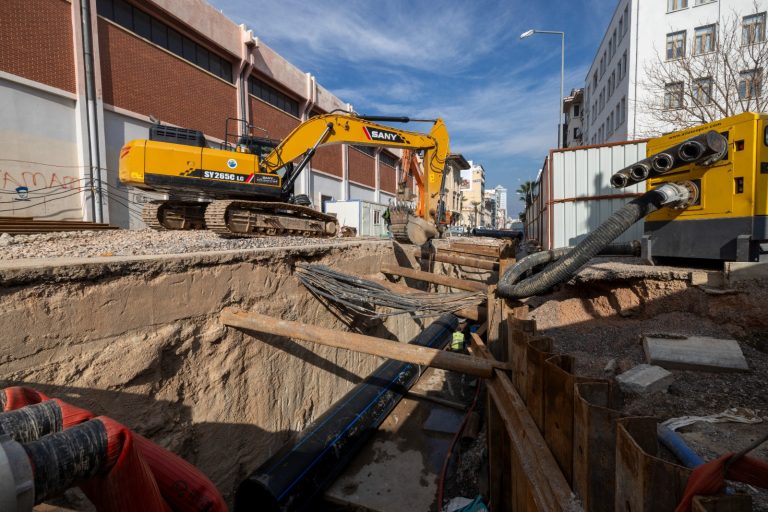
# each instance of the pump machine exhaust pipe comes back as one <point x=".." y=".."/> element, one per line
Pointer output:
<point x="704" y="149"/>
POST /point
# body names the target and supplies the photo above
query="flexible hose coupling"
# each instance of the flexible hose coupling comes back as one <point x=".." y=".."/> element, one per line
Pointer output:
<point x="677" y="195"/>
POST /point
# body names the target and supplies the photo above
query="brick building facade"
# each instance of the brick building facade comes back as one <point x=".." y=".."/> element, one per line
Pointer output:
<point x="78" y="80"/>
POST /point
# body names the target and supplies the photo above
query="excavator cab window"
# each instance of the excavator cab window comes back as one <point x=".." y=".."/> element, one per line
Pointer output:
<point x="257" y="145"/>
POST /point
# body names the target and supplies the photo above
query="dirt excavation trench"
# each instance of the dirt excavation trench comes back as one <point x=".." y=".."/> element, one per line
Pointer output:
<point x="138" y="339"/>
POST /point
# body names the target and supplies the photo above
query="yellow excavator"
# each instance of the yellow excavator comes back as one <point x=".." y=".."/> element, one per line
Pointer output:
<point x="246" y="189"/>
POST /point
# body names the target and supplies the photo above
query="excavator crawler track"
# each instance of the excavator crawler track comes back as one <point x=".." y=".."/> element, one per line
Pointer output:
<point x="175" y="215"/>
<point x="257" y="218"/>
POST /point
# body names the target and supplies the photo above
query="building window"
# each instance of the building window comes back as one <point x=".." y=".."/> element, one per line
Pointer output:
<point x="368" y="150"/>
<point x="626" y="19"/>
<point x="676" y="5"/>
<point x="702" y="2"/>
<point x="750" y="83"/>
<point x="154" y="30"/>
<point x="376" y="217"/>
<point x="624" y="110"/>
<point x="676" y="45"/>
<point x="753" y="29"/>
<point x="576" y="110"/>
<point x="704" y="39"/>
<point x="673" y="96"/>
<point x="621" y="26"/>
<point x="594" y="80"/>
<point x="624" y="63"/>
<point x="387" y="159"/>
<point x="702" y="91"/>
<point x="272" y="96"/>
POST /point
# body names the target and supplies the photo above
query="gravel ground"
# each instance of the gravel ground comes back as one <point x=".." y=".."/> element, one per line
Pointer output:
<point x="601" y="322"/>
<point x="89" y="244"/>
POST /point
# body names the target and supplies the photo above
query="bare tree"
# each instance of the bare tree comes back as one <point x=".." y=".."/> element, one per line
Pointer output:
<point x="719" y="72"/>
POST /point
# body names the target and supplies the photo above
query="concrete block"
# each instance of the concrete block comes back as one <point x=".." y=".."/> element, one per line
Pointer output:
<point x="736" y="271"/>
<point x="645" y="378"/>
<point x="695" y="353"/>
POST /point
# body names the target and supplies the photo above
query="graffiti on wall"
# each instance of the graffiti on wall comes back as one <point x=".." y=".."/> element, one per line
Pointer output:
<point x="36" y="180"/>
<point x="49" y="193"/>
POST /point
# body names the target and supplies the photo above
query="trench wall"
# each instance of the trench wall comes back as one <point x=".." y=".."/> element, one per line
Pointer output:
<point x="138" y="339"/>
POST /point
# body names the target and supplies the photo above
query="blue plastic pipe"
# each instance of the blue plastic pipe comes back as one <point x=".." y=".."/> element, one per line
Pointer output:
<point x="676" y="445"/>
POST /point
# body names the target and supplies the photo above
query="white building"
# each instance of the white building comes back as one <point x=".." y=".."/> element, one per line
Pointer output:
<point x="501" y="206"/>
<point x="640" y="35"/>
<point x="473" y="194"/>
<point x="573" y="108"/>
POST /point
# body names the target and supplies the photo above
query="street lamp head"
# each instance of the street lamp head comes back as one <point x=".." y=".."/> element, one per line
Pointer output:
<point x="527" y="33"/>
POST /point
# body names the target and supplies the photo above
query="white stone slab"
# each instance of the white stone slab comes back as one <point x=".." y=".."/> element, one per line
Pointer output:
<point x="695" y="353"/>
<point x="645" y="378"/>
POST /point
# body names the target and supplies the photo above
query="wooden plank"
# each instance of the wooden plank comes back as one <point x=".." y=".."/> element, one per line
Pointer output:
<point x="465" y="261"/>
<point x="451" y="252"/>
<point x="429" y="277"/>
<point x="476" y="249"/>
<point x="415" y="354"/>
<point x="544" y="481"/>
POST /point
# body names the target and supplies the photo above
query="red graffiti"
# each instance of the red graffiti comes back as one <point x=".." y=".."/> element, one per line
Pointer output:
<point x="37" y="180"/>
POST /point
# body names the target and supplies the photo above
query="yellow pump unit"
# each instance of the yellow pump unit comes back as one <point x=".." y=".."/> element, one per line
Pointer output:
<point x="727" y="218"/>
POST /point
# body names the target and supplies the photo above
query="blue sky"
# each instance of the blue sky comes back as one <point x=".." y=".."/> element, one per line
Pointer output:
<point x="459" y="60"/>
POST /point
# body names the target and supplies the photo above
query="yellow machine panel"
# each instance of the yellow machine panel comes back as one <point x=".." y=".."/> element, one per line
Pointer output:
<point x="729" y="221"/>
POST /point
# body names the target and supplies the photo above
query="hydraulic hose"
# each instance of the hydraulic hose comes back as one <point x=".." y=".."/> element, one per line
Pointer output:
<point x="562" y="269"/>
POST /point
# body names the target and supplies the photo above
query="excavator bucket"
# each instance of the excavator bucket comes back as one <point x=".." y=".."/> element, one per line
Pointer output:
<point x="406" y="228"/>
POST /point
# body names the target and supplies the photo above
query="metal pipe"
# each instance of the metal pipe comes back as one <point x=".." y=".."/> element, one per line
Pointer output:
<point x="299" y="472"/>
<point x="639" y="171"/>
<point x="690" y="151"/>
<point x="620" y="179"/>
<point x="662" y="162"/>
<point x="91" y="116"/>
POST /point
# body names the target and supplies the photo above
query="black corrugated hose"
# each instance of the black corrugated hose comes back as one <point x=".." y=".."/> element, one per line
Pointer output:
<point x="568" y="261"/>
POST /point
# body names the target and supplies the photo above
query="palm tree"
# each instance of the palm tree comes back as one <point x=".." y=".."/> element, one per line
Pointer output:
<point x="526" y="190"/>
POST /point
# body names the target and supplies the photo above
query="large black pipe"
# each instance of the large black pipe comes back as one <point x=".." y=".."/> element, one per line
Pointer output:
<point x="497" y="233"/>
<point x="295" y="477"/>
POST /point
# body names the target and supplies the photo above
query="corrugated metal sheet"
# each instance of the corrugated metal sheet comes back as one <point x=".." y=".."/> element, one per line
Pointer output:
<point x="575" y="195"/>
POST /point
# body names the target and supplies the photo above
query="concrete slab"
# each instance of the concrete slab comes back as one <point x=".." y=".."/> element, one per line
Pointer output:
<point x="736" y="271"/>
<point x="645" y="378"/>
<point x="695" y="353"/>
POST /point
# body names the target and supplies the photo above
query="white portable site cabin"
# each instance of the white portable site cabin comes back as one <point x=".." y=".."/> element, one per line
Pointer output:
<point x="366" y="217"/>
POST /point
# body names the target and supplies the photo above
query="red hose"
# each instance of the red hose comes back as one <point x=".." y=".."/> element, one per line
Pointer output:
<point x="141" y="468"/>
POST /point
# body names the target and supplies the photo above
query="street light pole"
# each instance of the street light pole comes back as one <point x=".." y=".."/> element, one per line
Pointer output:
<point x="529" y="33"/>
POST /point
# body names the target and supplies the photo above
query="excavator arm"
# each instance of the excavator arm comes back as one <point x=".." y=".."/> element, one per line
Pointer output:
<point x="332" y="129"/>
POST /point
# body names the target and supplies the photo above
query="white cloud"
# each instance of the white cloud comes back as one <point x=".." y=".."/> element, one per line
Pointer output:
<point x="438" y="36"/>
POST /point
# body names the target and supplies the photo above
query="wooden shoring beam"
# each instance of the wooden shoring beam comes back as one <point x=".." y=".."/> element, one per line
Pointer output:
<point x="465" y="261"/>
<point x="475" y="249"/>
<point x="429" y="277"/>
<point x="545" y="486"/>
<point x="405" y="352"/>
